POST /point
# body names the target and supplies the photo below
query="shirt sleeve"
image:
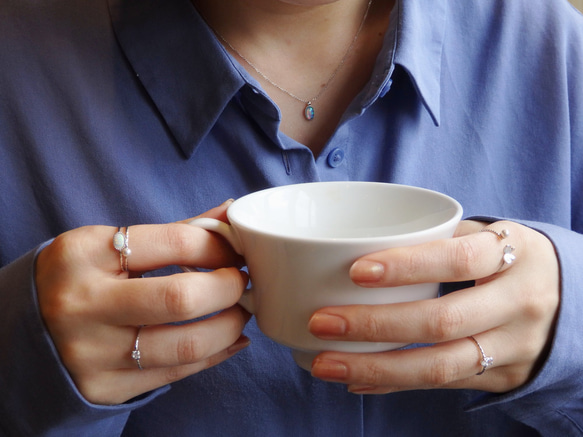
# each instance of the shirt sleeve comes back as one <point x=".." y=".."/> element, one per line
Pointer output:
<point x="38" y="395"/>
<point x="552" y="402"/>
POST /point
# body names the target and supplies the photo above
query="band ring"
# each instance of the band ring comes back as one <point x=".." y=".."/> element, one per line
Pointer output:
<point x="486" y="361"/>
<point x="121" y="244"/>
<point x="507" y="256"/>
<point x="504" y="233"/>
<point x="136" y="354"/>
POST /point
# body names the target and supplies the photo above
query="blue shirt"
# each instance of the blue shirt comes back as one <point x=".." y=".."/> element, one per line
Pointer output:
<point x="127" y="112"/>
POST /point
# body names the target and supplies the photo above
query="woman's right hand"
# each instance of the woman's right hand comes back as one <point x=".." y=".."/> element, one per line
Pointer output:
<point x="93" y="309"/>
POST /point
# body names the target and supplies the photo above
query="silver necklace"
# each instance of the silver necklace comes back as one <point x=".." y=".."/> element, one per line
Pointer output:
<point x="309" y="112"/>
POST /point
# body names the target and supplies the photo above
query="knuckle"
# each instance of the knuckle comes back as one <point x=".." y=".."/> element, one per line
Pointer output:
<point x="372" y="327"/>
<point x="56" y="306"/>
<point x="62" y="303"/>
<point x="189" y="350"/>
<point x="65" y="288"/>
<point x="416" y="261"/>
<point x="535" y="308"/>
<point x="442" y="370"/>
<point x="178" y="241"/>
<point x="465" y="256"/>
<point x="66" y="247"/>
<point x="375" y="375"/>
<point x="178" y="299"/>
<point x="443" y="322"/>
<point x="76" y="246"/>
<point x="540" y="304"/>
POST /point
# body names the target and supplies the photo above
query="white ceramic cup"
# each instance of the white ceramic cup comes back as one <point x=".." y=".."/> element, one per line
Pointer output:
<point x="299" y="242"/>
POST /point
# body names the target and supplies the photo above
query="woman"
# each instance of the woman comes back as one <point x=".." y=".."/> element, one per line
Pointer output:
<point x="126" y="113"/>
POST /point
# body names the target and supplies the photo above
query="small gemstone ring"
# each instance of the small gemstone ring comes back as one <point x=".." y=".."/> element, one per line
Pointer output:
<point x="486" y="361"/>
<point x="120" y="243"/>
<point x="507" y="256"/>
<point x="136" y="354"/>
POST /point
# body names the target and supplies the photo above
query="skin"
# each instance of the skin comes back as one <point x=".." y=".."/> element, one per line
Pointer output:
<point x="298" y="45"/>
<point x="93" y="310"/>
<point x="510" y="311"/>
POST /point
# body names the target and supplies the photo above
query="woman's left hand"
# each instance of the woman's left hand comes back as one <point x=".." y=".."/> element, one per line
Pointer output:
<point x="510" y="311"/>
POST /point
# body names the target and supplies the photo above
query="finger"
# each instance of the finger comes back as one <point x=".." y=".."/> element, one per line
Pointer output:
<point x="89" y="250"/>
<point x="454" y="364"/>
<point x="167" y="299"/>
<point x="467" y="257"/>
<point x="110" y="348"/>
<point x="218" y="212"/>
<point x="133" y="382"/>
<point x="450" y="317"/>
<point x="173" y="345"/>
<point x="176" y="242"/>
<point x="157" y="246"/>
<point x="466" y="227"/>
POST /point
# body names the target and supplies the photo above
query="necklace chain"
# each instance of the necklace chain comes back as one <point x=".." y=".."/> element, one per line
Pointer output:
<point x="309" y="112"/>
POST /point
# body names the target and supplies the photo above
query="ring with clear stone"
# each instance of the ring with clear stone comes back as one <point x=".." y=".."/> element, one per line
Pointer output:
<point x="507" y="256"/>
<point x="136" y="354"/>
<point x="486" y="361"/>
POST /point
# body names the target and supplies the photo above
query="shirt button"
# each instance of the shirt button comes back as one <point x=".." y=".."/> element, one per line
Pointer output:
<point x="335" y="158"/>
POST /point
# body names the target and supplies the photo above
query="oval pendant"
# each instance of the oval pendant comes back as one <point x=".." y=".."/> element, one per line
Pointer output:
<point x="309" y="112"/>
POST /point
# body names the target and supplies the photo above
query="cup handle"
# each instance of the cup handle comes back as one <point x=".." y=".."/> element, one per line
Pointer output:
<point x="229" y="234"/>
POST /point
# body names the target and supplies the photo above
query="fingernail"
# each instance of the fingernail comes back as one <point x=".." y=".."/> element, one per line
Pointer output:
<point x="228" y="202"/>
<point x="329" y="370"/>
<point x="239" y="345"/>
<point x="327" y="325"/>
<point x="367" y="271"/>
<point x="361" y="389"/>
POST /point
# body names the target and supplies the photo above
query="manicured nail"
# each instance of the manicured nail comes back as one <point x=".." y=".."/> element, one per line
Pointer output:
<point x="327" y="325"/>
<point x="361" y="389"/>
<point x="239" y="345"/>
<point x="329" y="370"/>
<point x="365" y="271"/>
<point x="228" y="202"/>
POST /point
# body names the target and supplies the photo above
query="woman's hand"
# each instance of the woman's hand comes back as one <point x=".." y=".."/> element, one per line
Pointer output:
<point x="93" y="309"/>
<point x="510" y="311"/>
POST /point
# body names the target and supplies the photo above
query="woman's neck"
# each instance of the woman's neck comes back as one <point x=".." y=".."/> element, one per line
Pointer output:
<point x="306" y="33"/>
<point x="299" y="48"/>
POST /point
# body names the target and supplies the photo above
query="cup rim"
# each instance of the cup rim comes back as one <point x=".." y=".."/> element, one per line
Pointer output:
<point x="455" y="218"/>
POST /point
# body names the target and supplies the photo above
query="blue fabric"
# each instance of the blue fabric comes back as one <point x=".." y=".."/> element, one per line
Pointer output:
<point x="131" y="112"/>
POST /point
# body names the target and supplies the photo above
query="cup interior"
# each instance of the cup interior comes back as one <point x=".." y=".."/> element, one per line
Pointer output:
<point x="344" y="210"/>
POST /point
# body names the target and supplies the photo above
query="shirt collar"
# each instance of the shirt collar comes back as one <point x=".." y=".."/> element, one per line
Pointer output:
<point x="166" y="42"/>
<point x="418" y="48"/>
